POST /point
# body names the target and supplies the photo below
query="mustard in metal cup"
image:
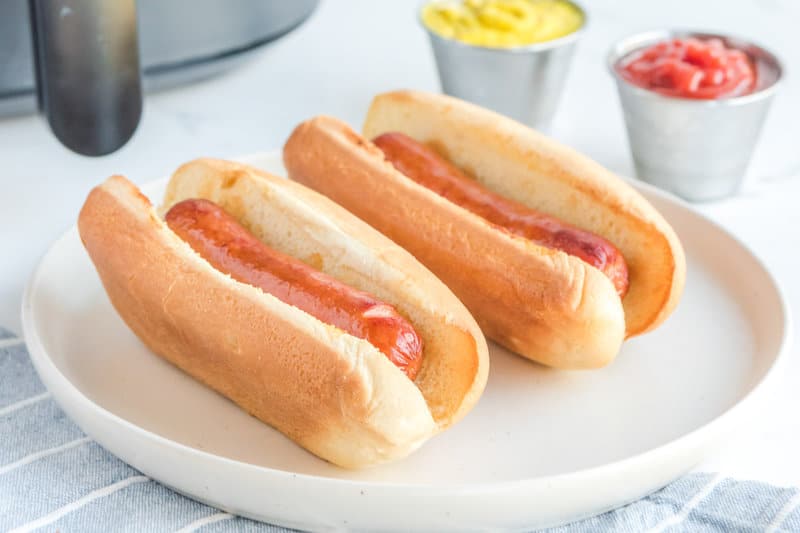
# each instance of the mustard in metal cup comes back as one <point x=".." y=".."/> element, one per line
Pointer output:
<point x="521" y="81"/>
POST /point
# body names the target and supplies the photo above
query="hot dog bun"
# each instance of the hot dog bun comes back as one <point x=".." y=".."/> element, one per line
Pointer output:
<point x="516" y="161"/>
<point x="334" y="394"/>
<point x="544" y="304"/>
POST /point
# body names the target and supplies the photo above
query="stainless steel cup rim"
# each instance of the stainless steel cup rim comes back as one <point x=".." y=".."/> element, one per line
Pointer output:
<point x="524" y="49"/>
<point x="637" y="41"/>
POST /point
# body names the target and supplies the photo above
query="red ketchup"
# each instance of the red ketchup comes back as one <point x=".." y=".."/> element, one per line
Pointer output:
<point x="690" y="68"/>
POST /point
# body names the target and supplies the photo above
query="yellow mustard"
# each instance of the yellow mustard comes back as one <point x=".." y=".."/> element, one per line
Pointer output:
<point x="502" y="23"/>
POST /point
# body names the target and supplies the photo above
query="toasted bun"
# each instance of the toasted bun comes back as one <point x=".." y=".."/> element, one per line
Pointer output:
<point x="334" y="394"/>
<point x="515" y="161"/>
<point x="544" y="304"/>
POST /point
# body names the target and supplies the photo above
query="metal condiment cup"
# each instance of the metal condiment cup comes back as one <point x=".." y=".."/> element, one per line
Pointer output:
<point x="698" y="149"/>
<point x="523" y="82"/>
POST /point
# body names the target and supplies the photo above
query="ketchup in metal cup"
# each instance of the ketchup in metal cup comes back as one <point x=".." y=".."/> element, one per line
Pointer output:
<point x="690" y="68"/>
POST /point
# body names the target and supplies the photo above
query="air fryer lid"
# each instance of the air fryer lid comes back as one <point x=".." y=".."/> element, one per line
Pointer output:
<point x="82" y="62"/>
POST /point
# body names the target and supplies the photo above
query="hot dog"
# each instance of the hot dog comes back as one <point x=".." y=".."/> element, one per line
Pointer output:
<point x="295" y="310"/>
<point x="231" y="249"/>
<point x="558" y="259"/>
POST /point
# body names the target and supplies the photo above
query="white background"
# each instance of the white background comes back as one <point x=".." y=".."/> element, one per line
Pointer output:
<point x="349" y="51"/>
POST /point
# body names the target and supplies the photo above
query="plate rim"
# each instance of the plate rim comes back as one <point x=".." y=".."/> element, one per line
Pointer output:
<point x="46" y="368"/>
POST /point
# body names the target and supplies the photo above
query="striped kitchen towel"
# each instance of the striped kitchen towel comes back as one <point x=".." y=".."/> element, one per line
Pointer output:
<point x="55" y="478"/>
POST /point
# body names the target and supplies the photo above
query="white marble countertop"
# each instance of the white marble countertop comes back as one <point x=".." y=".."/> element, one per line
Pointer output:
<point x="333" y="65"/>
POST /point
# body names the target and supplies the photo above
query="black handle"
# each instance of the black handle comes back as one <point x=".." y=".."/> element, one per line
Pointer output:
<point x="87" y="71"/>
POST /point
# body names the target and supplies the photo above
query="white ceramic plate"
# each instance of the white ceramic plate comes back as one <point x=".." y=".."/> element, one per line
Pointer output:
<point x="542" y="447"/>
